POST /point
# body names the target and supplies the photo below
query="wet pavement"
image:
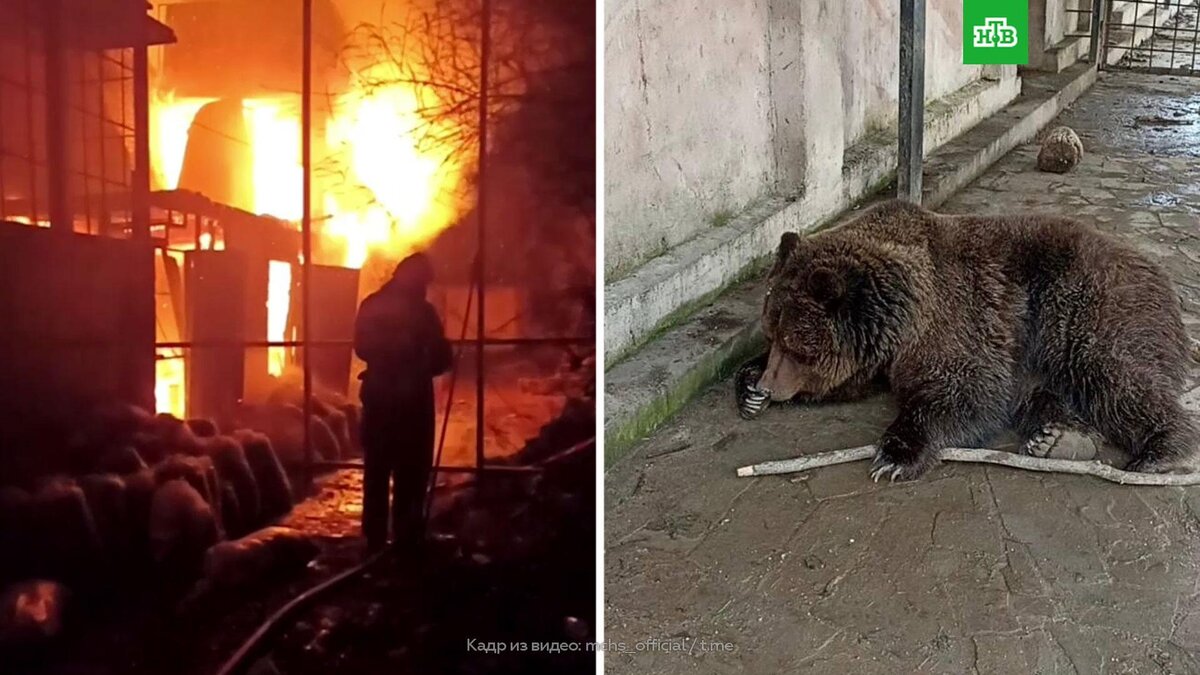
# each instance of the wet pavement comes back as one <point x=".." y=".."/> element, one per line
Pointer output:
<point x="519" y="402"/>
<point x="972" y="568"/>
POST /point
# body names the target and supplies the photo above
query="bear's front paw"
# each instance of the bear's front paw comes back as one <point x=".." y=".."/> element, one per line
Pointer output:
<point x="1152" y="465"/>
<point x="893" y="467"/>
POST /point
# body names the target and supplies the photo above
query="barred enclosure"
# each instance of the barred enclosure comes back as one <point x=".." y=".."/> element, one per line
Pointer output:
<point x="1159" y="37"/>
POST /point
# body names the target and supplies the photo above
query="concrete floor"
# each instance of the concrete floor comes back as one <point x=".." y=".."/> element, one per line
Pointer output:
<point x="970" y="569"/>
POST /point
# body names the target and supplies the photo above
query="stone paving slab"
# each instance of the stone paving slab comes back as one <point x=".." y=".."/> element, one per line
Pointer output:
<point x="971" y="569"/>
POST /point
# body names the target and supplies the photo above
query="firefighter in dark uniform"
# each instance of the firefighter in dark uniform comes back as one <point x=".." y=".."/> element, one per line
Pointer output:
<point x="399" y="336"/>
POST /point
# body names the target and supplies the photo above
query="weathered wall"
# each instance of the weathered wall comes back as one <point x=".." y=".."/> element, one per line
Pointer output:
<point x="687" y="118"/>
<point x="1060" y="19"/>
<point x="712" y="106"/>
<point x="1049" y="23"/>
<point x="870" y="34"/>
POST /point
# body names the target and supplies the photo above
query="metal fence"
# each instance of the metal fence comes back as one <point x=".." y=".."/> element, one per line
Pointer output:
<point x="1151" y="36"/>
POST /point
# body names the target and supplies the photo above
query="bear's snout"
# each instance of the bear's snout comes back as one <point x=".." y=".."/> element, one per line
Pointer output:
<point x="784" y="378"/>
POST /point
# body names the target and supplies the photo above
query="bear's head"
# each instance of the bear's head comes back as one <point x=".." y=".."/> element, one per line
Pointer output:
<point x="834" y="310"/>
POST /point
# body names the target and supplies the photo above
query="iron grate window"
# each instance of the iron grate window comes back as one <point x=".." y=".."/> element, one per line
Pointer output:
<point x="24" y="171"/>
<point x="100" y="140"/>
<point x="66" y="127"/>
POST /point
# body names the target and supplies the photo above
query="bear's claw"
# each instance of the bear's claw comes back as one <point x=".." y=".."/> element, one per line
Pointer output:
<point x="882" y="467"/>
<point x="1060" y="442"/>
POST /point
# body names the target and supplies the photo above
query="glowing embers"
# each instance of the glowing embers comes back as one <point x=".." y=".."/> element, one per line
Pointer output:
<point x="279" y="298"/>
<point x="28" y="221"/>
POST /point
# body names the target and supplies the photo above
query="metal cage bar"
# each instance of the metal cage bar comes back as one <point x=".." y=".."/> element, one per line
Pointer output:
<point x="911" y="118"/>
<point x="1152" y="36"/>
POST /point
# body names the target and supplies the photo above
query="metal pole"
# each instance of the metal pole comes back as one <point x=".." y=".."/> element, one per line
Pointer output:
<point x="1094" y="30"/>
<point x="144" y="355"/>
<point x="912" y="100"/>
<point x="481" y="212"/>
<point x="141" y="143"/>
<point x="57" y="97"/>
<point x="306" y="233"/>
<point x="1105" y="27"/>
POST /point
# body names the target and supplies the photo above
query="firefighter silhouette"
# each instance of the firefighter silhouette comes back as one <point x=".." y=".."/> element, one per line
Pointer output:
<point x="399" y="336"/>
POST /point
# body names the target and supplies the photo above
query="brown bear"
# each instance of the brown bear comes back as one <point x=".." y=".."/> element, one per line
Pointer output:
<point x="978" y="323"/>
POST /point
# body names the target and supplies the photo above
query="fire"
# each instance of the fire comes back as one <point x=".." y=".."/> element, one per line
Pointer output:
<point x="396" y="197"/>
<point x="169" y="383"/>
<point x="381" y="189"/>
<point x="170" y="120"/>
<point x="24" y="220"/>
<point x="274" y="127"/>
<point x="279" y="291"/>
<point x="393" y="193"/>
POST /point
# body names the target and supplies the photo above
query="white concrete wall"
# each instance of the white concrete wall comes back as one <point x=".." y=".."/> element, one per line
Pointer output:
<point x="687" y="118"/>
<point x="870" y="37"/>
<point x="712" y="106"/>
<point x="1059" y="20"/>
<point x="1049" y="23"/>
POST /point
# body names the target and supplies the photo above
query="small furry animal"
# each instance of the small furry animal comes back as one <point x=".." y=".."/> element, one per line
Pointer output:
<point x="1061" y="151"/>
<point x="182" y="527"/>
<point x="274" y="488"/>
<point x="251" y="559"/>
<point x="233" y="469"/>
<point x="105" y="494"/>
<point x="66" y="542"/>
<point x="980" y="323"/>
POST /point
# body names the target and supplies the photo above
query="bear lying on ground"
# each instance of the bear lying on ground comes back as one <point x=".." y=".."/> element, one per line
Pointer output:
<point x="1037" y="323"/>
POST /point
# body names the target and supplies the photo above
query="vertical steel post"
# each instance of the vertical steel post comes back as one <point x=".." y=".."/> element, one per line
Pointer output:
<point x="306" y="234"/>
<point x="143" y="354"/>
<point x="912" y="100"/>
<point x="141" y="143"/>
<point x="57" y="106"/>
<point x="481" y="211"/>
<point x="31" y="114"/>
<point x="1094" y="29"/>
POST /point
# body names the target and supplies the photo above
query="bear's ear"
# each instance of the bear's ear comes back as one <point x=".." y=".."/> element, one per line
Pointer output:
<point x="827" y="286"/>
<point x="788" y="243"/>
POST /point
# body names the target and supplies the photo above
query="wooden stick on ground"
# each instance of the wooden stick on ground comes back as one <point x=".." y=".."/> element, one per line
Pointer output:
<point x="983" y="456"/>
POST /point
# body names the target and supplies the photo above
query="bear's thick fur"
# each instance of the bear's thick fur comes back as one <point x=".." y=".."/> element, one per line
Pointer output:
<point x="979" y="323"/>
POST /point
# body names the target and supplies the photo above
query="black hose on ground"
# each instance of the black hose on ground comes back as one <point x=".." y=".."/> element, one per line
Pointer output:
<point x="257" y="643"/>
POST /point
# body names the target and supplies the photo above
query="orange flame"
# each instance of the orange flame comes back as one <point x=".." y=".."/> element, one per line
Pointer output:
<point x="170" y="119"/>
<point x="397" y="193"/>
<point x="394" y="193"/>
<point x="274" y="127"/>
<point x="170" y="383"/>
<point x="279" y="293"/>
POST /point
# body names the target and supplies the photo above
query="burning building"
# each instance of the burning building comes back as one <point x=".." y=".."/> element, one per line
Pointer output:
<point x="195" y="195"/>
<point x="153" y="187"/>
<point x="226" y="144"/>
